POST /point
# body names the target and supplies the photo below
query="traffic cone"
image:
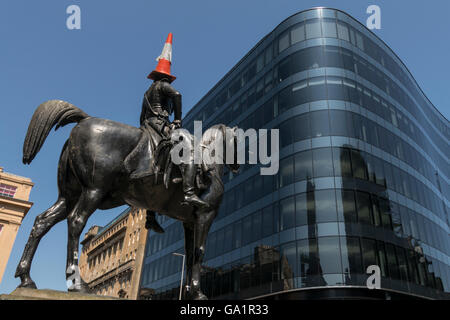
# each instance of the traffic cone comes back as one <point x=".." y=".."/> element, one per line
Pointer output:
<point x="164" y="62"/>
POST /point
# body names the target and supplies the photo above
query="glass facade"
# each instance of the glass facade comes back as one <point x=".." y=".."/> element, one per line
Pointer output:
<point x="363" y="179"/>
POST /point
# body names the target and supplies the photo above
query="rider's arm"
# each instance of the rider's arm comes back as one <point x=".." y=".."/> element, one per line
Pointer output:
<point x="176" y="99"/>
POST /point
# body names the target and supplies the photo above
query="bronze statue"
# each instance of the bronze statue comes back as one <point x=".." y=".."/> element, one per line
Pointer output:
<point x="101" y="167"/>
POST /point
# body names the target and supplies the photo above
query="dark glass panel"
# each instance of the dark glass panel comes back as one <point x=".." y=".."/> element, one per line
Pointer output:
<point x="325" y="206"/>
<point x="256" y="226"/>
<point x="369" y="252"/>
<point x="286" y="171"/>
<point x="285" y="99"/>
<point x="341" y="162"/>
<point x="317" y="89"/>
<point x="402" y="264"/>
<point x="351" y="258"/>
<point x="392" y="261"/>
<point x="329" y="255"/>
<point x="246" y="230"/>
<point x="288" y="261"/>
<point x="303" y="165"/>
<point x="309" y="268"/>
<point x="346" y="206"/>
<point x="364" y="207"/>
<point x="287" y="213"/>
<point x="237" y="234"/>
<point x="301" y="127"/>
<point x="358" y="165"/>
<point x="323" y="162"/>
<point x="300" y="93"/>
<point x="267" y="221"/>
<point x="341" y="123"/>
<point x="381" y="259"/>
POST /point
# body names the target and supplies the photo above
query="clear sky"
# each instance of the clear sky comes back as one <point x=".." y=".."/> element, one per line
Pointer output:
<point x="102" y="69"/>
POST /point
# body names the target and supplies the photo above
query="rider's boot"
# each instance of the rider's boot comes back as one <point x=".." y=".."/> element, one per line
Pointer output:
<point x="151" y="223"/>
<point x="189" y="171"/>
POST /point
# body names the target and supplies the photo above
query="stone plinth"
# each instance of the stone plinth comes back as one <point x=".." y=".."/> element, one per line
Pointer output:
<point x="46" y="294"/>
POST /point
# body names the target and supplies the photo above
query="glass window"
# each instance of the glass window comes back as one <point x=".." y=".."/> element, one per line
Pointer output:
<point x="298" y="33"/>
<point x="376" y="211"/>
<point x="259" y="62"/>
<point x="342" y="31"/>
<point x="329" y="255"/>
<point x="382" y="262"/>
<point x="351" y="258"/>
<point x="303" y="165"/>
<point x="300" y="93"/>
<point x="329" y="28"/>
<point x="283" y="42"/>
<point x="268" y="54"/>
<point x="317" y="89"/>
<point x="359" y="165"/>
<point x="319" y="124"/>
<point x="304" y="208"/>
<point x="402" y="263"/>
<point x="287" y="213"/>
<point x="301" y="127"/>
<point x="237" y="234"/>
<point x="325" y="206"/>
<point x="284" y="99"/>
<point x="369" y="252"/>
<point x="313" y="29"/>
<point x="267" y="221"/>
<point x="308" y="260"/>
<point x="364" y="207"/>
<point x="284" y="69"/>
<point x="286" y="171"/>
<point x="246" y="230"/>
<point x="257" y="226"/>
<point x="392" y="261"/>
<point x="346" y="206"/>
<point x="341" y="162"/>
<point x="341" y="123"/>
<point x="323" y="162"/>
<point x="228" y="241"/>
<point x="288" y="261"/>
<point x="220" y="241"/>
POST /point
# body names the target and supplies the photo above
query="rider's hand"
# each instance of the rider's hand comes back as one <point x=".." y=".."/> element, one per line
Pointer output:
<point x="176" y="124"/>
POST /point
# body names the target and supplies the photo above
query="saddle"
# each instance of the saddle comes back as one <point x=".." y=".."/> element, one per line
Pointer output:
<point x="151" y="157"/>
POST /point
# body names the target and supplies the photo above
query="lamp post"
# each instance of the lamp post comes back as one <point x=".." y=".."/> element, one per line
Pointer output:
<point x="182" y="271"/>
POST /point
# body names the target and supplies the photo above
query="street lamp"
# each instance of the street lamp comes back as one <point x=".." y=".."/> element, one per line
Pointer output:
<point x="182" y="271"/>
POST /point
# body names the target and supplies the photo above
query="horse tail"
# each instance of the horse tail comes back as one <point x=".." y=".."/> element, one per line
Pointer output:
<point x="46" y="116"/>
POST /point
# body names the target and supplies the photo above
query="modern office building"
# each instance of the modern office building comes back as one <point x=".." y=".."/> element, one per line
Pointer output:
<point x="363" y="179"/>
<point x="14" y="205"/>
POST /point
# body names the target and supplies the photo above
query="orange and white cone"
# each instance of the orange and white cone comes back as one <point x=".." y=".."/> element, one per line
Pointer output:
<point x="164" y="61"/>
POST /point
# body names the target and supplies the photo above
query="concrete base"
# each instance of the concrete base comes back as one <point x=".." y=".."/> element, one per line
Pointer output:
<point x="46" y="294"/>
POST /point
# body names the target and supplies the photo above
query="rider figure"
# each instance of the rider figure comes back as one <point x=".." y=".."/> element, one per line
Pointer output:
<point x="160" y="101"/>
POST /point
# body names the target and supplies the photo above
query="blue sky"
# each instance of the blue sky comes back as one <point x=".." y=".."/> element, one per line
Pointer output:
<point x="102" y="69"/>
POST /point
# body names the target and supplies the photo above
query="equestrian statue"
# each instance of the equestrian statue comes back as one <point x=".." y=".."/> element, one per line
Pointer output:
<point x="106" y="164"/>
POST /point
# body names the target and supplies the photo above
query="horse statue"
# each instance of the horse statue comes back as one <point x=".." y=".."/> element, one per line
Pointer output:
<point x="95" y="172"/>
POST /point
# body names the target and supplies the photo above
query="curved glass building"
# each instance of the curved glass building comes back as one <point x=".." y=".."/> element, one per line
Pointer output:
<point x="363" y="179"/>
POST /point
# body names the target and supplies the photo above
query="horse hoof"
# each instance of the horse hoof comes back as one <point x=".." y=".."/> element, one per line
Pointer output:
<point x="199" y="296"/>
<point x="28" y="283"/>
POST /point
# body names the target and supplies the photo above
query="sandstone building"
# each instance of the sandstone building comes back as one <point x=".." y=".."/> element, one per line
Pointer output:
<point x="14" y="205"/>
<point x="111" y="257"/>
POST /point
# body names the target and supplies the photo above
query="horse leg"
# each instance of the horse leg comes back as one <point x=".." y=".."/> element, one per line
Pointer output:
<point x="189" y="251"/>
<point x="200" y="233"/>
<point x="42" y="224"/>
<point x="76" y="221"/>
